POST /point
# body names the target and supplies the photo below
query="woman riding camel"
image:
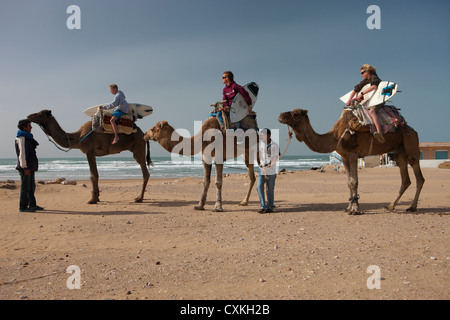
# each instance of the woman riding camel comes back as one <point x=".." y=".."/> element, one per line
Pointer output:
<point x="369" y="74"/>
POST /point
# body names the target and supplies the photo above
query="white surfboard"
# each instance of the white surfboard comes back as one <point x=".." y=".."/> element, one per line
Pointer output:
<point x="239" y="107"/>
<point x="386" y="90"/>
<point x="137" y="110"/>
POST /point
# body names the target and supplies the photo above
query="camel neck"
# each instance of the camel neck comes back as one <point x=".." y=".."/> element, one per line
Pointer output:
<point x="321" y="143"/>
<point x="61" y="137"/>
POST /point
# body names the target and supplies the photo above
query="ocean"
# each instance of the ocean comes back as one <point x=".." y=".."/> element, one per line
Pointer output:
<point x="127" y="167"/>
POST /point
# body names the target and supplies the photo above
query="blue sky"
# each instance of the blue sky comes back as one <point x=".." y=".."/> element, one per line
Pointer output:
<point x="170" y="54"/>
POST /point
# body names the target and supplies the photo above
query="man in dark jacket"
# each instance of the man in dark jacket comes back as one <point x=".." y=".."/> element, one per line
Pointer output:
<point x="27" y="165"/>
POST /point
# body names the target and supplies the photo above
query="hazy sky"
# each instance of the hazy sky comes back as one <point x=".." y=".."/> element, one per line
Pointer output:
<point x="170" y="54"/>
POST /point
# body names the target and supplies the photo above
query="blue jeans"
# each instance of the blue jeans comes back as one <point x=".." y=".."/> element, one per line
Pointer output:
<point x="260" y="182"/>
<point x="27" y="188"/>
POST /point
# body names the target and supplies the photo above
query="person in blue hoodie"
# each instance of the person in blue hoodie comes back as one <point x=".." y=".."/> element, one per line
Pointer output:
<point x="27" y="165"/>
<point x="119" y="106"/>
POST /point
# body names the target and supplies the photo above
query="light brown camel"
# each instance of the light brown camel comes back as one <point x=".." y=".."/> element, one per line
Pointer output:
<point x="170" y="140"/>
<point x="403" y="142"/>
<point x="96" y="144"/>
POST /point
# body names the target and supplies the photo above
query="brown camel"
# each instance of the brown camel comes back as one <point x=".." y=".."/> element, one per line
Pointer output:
<point x="166" y="136"/>
<point x="96" y="144"/>
<point x="403" y="142"/>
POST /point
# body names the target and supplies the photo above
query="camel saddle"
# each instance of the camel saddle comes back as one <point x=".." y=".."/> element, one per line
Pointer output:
<point x="125" y="124"/>
<point x="359" y="120"/>
<point x="249" y="122"/>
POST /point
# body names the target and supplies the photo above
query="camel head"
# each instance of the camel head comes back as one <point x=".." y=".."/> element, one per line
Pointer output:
<point x="161" y="130"/>
<point x="41" y="118"/>
<point x="293" y="118"/>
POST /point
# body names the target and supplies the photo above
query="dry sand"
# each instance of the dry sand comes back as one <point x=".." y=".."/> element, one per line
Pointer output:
<point x="309" y="248"/>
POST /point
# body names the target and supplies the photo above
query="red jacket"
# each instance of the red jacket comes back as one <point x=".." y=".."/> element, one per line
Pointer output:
<point x="229" y="92"/>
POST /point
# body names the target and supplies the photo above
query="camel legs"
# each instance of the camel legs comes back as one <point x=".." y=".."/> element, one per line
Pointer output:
<point x="206" y="183"/>
<point x="251" y="176"/>
<point x="420" y="180"/>
<point x="219" y="178"/>
<point x="145" y="174"/>
<point x="401" y="160"/>
<point x="351" y="167"/>
<point x="94" y="179"/>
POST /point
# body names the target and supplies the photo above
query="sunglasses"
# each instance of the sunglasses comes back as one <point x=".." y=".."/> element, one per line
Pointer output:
<point x="363" y="72"/>
<point x="224" y="77"/>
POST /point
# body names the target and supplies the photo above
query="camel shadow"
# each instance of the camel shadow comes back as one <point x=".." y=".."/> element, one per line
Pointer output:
<point x="169" y="203"/>
<point x="97" y="213"/>
<point x="365" y="208"/>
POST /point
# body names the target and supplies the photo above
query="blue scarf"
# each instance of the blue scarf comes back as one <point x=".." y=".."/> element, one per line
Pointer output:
<point x="25" y="134"/>
<point x="28" y="135"/>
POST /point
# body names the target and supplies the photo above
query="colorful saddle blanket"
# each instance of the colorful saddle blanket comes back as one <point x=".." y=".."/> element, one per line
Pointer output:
<point x="124" y="125"/>
<point x="389" y="117"/>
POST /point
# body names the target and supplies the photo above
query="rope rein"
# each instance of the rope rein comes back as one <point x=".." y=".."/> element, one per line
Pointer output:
<point x="56" y="145"/>
<point x="287" y="145"/>
<point x="68" y="139"/>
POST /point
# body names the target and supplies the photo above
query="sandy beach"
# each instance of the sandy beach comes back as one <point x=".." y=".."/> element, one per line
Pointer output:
<point x="309" y="248"/>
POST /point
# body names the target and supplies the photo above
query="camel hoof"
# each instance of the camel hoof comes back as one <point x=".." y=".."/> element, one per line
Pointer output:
<point x="217" y="210"/>
<point x="411" y="209"/>
<point x="355" y="213"/>
<point x="92" y="202"/>
<point x="243" y="203"/>
<point x="199" y="208"/>
<point x="138" y="200"/>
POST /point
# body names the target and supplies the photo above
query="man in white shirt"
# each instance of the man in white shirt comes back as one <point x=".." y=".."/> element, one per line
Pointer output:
<point x="269" y="153"/>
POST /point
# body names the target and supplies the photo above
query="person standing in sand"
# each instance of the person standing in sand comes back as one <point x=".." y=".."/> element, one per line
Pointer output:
<point x="27" y="165"/>
<point x="369" y="74"/>
<point x="120" y="106"/>
<point x="269" y="153"/>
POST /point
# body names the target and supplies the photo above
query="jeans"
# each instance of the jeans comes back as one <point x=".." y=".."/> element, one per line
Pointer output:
<point x="260" y="182"/>
<point x="27" y="188"/>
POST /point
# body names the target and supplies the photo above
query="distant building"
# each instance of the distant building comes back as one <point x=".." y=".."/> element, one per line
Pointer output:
<point x="434" y="150"/>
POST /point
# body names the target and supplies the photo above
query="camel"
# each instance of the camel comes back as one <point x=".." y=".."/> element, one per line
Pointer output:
<point x="170" y="140"/>
<point x="403" y="142"/>
<point x="96" y="144"/>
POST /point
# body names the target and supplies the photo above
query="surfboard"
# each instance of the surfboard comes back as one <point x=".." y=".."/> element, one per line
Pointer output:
<point x="386" y="90"/>
<point x="137" y="110"/>
<point x="239" y="107"/>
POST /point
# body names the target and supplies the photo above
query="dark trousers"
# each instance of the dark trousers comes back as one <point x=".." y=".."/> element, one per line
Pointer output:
<point x="27" y="188"/>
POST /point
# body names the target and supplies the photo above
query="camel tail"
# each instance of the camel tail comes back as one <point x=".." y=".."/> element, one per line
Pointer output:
<point x="149" y="160"/>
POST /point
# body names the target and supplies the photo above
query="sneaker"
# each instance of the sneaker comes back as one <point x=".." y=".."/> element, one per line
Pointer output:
<point x="27" y="210"/>
<point x="37" y="208"/>
<point x="262" y="211"/>
<point x="269" y="210"/>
